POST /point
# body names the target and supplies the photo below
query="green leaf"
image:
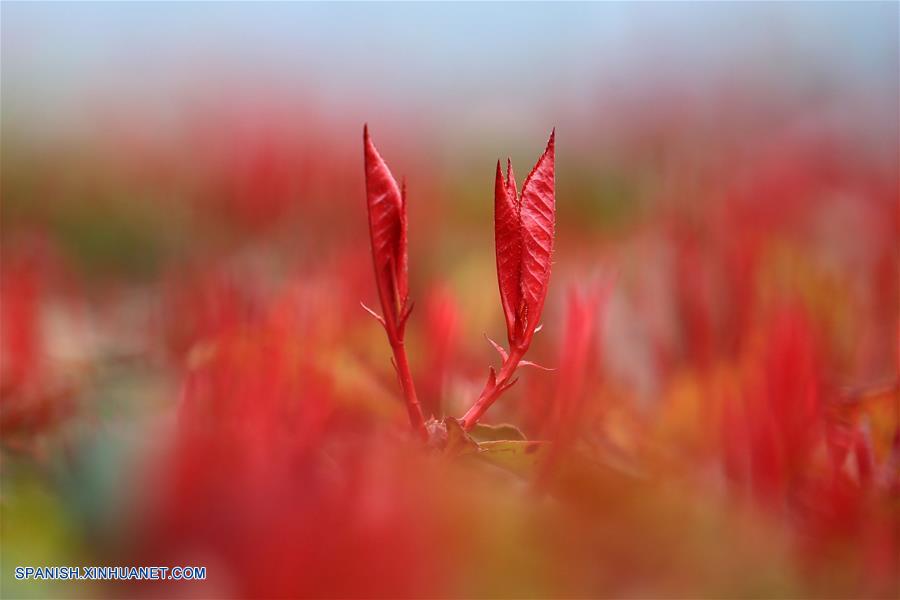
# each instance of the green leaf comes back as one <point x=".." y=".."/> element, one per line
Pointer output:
<point x="458" y="441"/>
<point x="519" y="456"/>
<point x="494" y="433"/>
<point x="503" y="446"/>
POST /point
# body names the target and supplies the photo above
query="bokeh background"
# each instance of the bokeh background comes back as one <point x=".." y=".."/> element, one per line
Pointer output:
<point x="188" y="378"/>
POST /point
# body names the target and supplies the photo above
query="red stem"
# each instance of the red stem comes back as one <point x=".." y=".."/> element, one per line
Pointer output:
<point x="490" y="393"/>
<point x="416" y="418"/>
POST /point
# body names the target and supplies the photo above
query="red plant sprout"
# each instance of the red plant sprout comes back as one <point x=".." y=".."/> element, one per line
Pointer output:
<point x="523" y="229"/>
<point x="387" y="229"/>
<point x="523" y="236"/>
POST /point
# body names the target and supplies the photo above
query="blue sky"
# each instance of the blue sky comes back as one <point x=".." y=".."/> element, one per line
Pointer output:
<point x="444" y="58"/>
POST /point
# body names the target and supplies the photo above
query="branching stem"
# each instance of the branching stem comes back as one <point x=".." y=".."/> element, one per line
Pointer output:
<point x="493" y="389"/>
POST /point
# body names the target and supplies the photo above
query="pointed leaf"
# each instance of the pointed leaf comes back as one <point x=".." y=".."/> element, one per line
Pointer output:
<point x="538" y="216"/>
<point x="508" y="245"/>
<point x="387" y="229"/>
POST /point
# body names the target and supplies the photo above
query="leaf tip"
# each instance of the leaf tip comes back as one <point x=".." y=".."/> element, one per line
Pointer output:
<point x="368" y="144"/>
<point x="550" y="150"/>
<point x="510" y="180"/>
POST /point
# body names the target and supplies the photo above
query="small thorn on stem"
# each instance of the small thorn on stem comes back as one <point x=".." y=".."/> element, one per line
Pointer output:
<point x="528" y="363"/>
<point x="504" y="356"/>
<point x="378" y="317"/>
<point x="492" y="377"/>
<point x="407" y="310"/>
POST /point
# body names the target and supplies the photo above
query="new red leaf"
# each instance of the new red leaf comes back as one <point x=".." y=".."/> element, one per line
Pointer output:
<point x="538" y="217"/>
<point x="387" y="229"/>
<point x="523" y="235"/>
<point x="386" y="202"/>
<point x="508" y="245"/>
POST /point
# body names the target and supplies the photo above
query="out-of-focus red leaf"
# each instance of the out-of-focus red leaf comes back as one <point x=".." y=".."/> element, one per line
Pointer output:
<point x="442" y="330"/>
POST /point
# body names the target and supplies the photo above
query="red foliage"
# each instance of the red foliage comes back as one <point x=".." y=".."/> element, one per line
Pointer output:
<point x="771" y="436"/>
<point x="387" y="230"/>
<point x="33" y="399"/>
<point x="523" y="229"/>
<point x="523" y="238"/>
<point x="442" y="331"/>
<point x="251" y="486"/>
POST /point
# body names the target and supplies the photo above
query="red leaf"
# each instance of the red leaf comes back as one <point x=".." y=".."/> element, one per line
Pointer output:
<point x="508" y="245"/>
<point x="538" y="216"/>
<point x="523" y="234"/>
<point x="387" y="229"/>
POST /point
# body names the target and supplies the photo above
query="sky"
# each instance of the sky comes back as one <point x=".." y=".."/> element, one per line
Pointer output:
<point x="454" y="61"/>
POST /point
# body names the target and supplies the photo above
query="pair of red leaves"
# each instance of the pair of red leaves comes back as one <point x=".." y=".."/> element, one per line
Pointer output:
<point x="523" y="228"/>
<point x="523" y="237"/>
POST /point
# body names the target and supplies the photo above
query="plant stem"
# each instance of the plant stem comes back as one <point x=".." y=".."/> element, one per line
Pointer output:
<point x="416" y="418"/>
<point x="491" y="392"/>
